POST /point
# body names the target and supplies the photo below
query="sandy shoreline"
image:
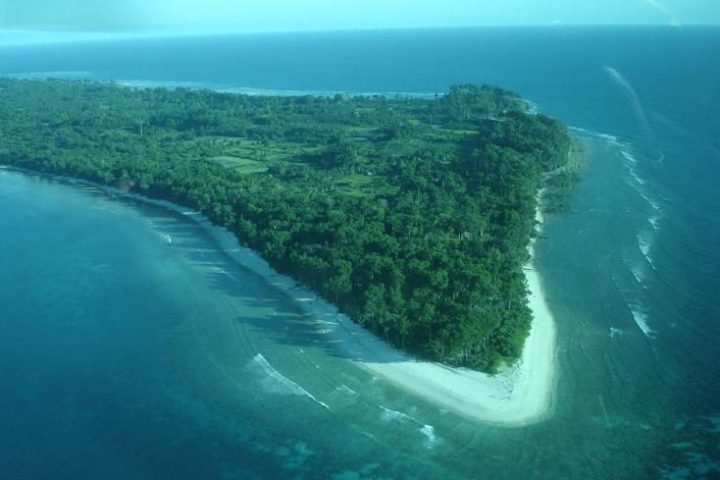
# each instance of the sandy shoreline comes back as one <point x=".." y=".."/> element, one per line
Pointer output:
<point x="518" y="396"/>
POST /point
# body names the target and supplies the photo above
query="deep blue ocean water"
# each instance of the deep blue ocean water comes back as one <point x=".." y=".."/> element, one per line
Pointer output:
<point x="125" y="356"/>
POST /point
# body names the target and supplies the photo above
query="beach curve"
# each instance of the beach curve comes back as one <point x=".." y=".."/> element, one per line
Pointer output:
<point x="519" y="395"/>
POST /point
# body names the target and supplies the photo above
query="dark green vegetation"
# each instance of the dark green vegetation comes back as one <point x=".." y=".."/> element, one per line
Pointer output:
<point x="412" y="215"/>
<point x="559" y="184"/>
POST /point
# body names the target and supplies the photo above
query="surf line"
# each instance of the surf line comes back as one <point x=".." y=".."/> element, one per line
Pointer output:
<point x="289" y="384"/>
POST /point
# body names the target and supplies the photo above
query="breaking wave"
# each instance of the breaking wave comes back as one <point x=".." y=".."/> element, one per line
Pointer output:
<point x="646" y="241"/>
<point x="275" y="382"/>
<point x="640" y="317"/>
<point x="428" y="431"/>
<point x="394" y="415"/>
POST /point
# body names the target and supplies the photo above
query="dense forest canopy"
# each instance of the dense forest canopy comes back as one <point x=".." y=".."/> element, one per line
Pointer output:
<point x="412" y="215"/>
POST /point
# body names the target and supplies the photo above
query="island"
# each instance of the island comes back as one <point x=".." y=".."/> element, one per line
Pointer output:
<point x="414" y="216"/>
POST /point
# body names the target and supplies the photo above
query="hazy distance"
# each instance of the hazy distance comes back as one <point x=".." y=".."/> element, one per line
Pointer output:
<point x="294" y="15"/>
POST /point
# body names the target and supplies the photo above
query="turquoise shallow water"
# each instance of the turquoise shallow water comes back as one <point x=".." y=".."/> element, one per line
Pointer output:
<point x="123" y="355"/>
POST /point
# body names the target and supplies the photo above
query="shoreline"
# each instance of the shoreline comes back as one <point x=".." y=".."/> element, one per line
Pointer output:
<point x="519" y="395"/>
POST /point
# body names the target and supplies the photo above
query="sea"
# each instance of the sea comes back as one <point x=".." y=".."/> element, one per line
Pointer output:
<point x="133" y="346"/>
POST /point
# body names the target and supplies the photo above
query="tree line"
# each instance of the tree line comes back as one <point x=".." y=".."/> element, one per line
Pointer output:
<point x="412" y="215"/>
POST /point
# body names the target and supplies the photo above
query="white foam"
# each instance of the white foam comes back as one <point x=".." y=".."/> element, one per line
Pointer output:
<point x="639" y="273"/>
<point x="395" y="415"/>
<point x="615" y="332"/>
<point x="579" y="129"/>
<point x="638" y="187"/>
<point x="345" y="389"/>
<point x="655" y="205"/>
<point x="636" y="177"/>
<point x="645" y="249"/>
<point x="654" y="221"/>
<point x="641" y="318"/>
<point x="275" y="382"/>
<point x="160" y="234"/>
<point x="429" y="432"/>
<point x="225" y="272"/>
<point x="610" y="138"/>
<point x="304" y="299"/>
<point x="533" y="108"/>
<point x="629" y="157"/>
<point x="640" y="183"/>
<point x="645" y="243"/>
<point x="637" y="184"/>
<point x="517" y="396"/>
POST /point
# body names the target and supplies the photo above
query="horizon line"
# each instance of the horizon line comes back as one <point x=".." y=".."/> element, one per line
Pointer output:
<point x="77" y="35"/>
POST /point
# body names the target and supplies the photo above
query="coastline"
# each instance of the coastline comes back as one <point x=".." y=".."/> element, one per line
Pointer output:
<point x="519" y="395"/>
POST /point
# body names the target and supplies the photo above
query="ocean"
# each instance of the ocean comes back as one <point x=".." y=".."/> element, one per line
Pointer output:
<point x="132" y="347"/>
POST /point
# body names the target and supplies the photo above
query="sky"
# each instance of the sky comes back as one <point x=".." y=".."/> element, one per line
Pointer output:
<point x="298" y="15"/>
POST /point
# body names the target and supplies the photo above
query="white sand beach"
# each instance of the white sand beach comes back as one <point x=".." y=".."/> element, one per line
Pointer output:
<point x="520" y="395"/>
